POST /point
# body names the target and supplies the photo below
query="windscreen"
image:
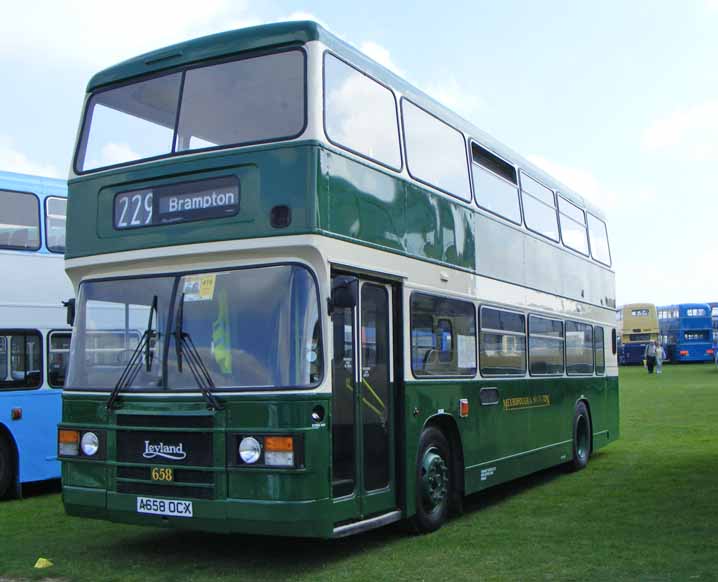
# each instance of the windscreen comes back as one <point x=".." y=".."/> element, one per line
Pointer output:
<point x="245" y="101"/>
<point x="250" y="328"/>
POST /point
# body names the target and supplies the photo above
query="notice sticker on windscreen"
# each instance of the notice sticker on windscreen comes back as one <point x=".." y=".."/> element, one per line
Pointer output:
<point x="175" y="203"/>
<point x="199" y="287"/>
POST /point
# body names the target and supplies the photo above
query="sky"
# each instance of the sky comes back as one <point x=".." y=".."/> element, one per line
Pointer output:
<point x="618" y="99"/>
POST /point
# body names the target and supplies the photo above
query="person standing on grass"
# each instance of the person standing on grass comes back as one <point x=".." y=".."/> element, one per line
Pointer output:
<point x="660" y="355"/>
<point x="650" y="356"/>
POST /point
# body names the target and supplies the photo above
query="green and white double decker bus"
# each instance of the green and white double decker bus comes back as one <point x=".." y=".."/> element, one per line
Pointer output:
<point x="312" y="301"/>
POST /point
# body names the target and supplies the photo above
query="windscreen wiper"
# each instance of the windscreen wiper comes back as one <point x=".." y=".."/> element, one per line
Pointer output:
<point x="134" y="364"/>
<point x="184" y="347"/>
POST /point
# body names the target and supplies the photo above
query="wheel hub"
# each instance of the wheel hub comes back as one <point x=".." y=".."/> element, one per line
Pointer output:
<point x="434" y="478"/>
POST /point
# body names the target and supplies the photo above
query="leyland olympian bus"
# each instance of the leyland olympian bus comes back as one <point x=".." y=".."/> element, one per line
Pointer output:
<point x="637" y="326"/>
<point x="34" y="336"/>
<point x="687" y="332"/>
<point x="313" y="301"/>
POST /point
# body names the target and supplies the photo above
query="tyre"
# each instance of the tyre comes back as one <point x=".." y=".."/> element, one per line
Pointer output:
<point x="581" y="437"/>
<point x="7" y="468"/>
<point x="433" y="481"/>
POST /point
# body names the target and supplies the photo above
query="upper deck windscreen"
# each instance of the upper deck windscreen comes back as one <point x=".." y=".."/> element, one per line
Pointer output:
<point x="244" y="101"/>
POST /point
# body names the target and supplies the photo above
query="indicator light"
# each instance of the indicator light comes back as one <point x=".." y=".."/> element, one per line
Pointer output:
<point x="464" y="407"/>
<point x="16" y="414"/>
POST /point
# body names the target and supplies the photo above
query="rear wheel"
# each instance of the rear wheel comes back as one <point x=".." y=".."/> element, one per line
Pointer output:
<point x="433" y="481"/>
<point x="7" y="468"/>
<point x="581" y="437"/>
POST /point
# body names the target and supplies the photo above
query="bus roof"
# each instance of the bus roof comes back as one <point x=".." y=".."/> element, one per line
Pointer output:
<point x="264" y="36"/>
<point x="39" y="185"/>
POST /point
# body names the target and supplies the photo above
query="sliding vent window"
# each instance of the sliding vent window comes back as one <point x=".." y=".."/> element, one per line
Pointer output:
<point x="502" y="343"/>
<point x="599" y="240"/>
<point x="539" y="208"/>
<point x="248" y="101"/>
<point x="573" y="226"/>
<point x="360" y="114"/>
<point x="495" y="184"/>
<point x="579" y="348"/>
<point x="545" y="346"/>
<point x="435" y="152"/>
<point x="443" y="336"/>
<point x="19" y="221"/>
<point x="600" y="355"/>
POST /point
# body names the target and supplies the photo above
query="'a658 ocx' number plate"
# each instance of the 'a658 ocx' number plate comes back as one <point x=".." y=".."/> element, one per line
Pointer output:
<point x="173" y="507"/>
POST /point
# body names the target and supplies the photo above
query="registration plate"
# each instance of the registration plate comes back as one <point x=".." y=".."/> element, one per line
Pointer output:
<point x="173" y="507"/>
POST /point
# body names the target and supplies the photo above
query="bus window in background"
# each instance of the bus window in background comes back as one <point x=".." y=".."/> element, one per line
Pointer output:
<point x="55" y="222"/>
<point x="19" y="221"/>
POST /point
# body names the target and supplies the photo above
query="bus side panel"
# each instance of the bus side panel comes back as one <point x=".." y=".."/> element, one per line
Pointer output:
<point x="360" y="203"/>
<point x="35" y="433"/>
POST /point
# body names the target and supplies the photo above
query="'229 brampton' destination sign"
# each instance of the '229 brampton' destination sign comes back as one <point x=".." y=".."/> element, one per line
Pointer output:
<point x="173" y="203"/>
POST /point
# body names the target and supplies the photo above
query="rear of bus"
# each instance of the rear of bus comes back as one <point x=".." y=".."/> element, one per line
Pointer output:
<point x="639" y="327"/>
<point x="695" y="336"/>
<point x="196" y="395"/>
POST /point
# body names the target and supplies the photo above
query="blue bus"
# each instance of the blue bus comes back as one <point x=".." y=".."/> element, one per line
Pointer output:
<point x="714" y="318"/>
<point x="34" y="335"/>
<point x="687" y="332"/>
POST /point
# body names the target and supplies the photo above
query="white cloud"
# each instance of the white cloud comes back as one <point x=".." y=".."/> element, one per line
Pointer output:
<point x="381" y="55"/>
<point x="691" y="132"/>
<point x="13" y="160"/>
<point x="102" y="33"/>
<point x="455" y="97"/>
<point x="581" y="181"/>
<point x="447" y="91"/>
<point x="301" y="15"/>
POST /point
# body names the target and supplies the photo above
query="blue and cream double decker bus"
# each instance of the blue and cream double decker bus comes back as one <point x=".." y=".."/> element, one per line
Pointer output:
<point x="313" y="301"/>
<point x="687" y="332"/>
<point x="34" y="336"/>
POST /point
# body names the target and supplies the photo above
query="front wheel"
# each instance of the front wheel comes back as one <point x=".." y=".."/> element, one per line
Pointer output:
<point x="581" y="437"/>
<point x="433" y="481"/>
<point x="6" y="467"/>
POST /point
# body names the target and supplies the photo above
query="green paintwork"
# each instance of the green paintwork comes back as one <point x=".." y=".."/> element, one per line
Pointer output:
<point x="298" y="502"/>
<point x="248" y="499"/>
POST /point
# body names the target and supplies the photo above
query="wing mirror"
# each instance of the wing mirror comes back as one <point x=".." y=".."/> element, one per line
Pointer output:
<point x="345" y="293"/>
<point x="70" y="307"/>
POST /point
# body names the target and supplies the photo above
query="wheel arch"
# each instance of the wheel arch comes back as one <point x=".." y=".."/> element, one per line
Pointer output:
<point x="585" y="401"/>
<point x="7" y="434"/>
<point x="446" y="423"/>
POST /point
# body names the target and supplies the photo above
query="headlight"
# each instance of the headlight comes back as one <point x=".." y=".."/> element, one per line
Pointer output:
<point x="249" y="450"/>
<point x="89" y="444"/>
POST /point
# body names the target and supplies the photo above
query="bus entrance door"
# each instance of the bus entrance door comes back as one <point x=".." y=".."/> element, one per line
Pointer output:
<point x="363" y="476"/>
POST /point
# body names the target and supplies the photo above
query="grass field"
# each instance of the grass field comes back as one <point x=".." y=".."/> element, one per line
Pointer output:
<point x="646" y="508"/>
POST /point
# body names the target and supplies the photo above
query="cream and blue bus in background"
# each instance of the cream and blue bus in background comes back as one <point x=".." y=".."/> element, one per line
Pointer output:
<point x="34" y="335"/>
<point x="687" y="332"/>
<point x="637" y="326"/>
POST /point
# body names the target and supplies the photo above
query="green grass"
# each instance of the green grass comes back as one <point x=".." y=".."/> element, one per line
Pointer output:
<point x="646" y="508"/>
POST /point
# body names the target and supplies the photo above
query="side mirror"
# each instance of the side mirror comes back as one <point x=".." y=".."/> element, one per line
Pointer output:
<point x="70" y="307"/>
<point x="345" y="292"/>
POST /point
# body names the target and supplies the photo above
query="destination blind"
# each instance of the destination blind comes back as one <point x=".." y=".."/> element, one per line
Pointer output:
<point x="174" y="203"/>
